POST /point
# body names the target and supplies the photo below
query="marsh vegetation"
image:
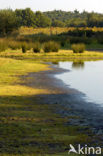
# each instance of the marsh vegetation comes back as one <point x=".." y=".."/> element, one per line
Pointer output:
<point x="28" y="126"/>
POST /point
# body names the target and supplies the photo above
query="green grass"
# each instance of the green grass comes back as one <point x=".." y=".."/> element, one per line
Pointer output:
<point x="94" y="46"/>
<point x="10" y="69"/>
<point x="66" y="54"/>
<point x="27" y="127"/>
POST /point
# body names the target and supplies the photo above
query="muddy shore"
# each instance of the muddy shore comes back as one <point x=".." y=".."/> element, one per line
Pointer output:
<point x="69" y="102"/>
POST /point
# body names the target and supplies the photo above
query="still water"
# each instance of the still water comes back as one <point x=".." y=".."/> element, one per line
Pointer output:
<point x="87" y="77"/>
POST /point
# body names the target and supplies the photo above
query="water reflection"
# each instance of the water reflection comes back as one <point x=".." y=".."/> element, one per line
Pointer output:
<point x="79" y="64"/>
<point x="89" y="80"/>
<point x="55" y="62"/>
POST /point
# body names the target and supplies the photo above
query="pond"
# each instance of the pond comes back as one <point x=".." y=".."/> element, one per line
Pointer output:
<point x="84" y="76"/>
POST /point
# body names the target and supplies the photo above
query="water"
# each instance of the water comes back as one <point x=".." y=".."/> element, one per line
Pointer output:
<point x="87" y="77"/>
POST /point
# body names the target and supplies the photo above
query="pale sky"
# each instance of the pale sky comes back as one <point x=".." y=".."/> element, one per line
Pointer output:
<point x="45" y="5"/>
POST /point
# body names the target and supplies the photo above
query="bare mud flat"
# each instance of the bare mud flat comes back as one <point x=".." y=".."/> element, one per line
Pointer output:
<point x="69" y="102"/>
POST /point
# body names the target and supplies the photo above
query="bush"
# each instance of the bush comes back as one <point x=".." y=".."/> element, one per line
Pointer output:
<point x="51" y="47"/>
<point x="24" y="47"/>
<point x="78" y="48"/>
<point x="29" y="45"/>
<point x="14" y="45"/>
<point x="36" y="47"/>
<point x="55" y="47"/>
<point x="63" y="43"/>
<point x="3" y="46"/>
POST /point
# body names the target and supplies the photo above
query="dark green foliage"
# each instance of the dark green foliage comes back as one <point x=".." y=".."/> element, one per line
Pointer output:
<point x="76" y="19"/>
<point x="11" y="20"/>
<point x="42" y="20"/>
<point x="94" y="19"/>
<point x="8" y="21"/>
<point x="78" y="48"/>
<point x="26" y="17"/>
<point x="36" y="47"/>
<point x="57" y="23"/>
<point x="24" y="47"/>
<point x="47" y="47"/>
<point x="51" y="47"/>
<point x="63" y="43"/>
<point x="68" y="18"/>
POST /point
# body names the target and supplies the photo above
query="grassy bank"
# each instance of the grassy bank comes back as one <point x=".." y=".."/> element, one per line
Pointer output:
<point x="61" y="54"/>
<point x="27" y="127"/>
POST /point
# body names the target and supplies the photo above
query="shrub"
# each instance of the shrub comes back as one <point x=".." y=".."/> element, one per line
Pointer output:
<point x="78" y="48"/>
<point x="63" y="43"/>
<point x="51" y="47"/>
<point x="29" y="45"/>
<point x="24" y="47"/>
<point x="3" y="44"/>
<point x="55" y="47"/>
<point x="47" y="47"/>
<point x="36" y="47"/>
<point x="14" y="45"/>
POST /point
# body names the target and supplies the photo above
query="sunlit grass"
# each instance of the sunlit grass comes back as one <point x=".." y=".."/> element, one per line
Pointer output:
<point x="53" y="30"/>
<point x="28" y="127"/>
<point x="11" y="69"/>
<point x="62" y="53"/>
<point x="16" y="90"/>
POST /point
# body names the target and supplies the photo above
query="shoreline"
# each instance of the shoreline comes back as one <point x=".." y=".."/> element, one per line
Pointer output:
<point x="42" y="109"/>
<point x="70" y="100"/>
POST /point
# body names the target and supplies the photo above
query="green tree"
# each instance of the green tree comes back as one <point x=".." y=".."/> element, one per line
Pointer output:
<point x="42" y="20"/>
<point x="8" y="21"/>
<point x="57" y="23"/>
<point x="93" y="19"/>
<point x="26" y="17"/>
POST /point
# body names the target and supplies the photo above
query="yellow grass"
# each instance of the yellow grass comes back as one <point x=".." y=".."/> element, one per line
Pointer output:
<point x="53" y="30"/>
<point x="61" y="54"/>
<point x="18" y="90"/>
<point x="10" y="70"/>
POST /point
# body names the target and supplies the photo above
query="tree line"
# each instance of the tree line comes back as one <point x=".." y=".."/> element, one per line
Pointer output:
<point x="75" y="18"/>
<point x="10" y="20"/>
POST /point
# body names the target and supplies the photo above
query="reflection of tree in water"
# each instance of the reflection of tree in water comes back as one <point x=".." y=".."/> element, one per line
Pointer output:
<point x="55" y="62"/>
<point x="78" y="64"/>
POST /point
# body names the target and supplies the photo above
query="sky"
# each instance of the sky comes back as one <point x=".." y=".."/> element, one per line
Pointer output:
<point x="46" y="5"/>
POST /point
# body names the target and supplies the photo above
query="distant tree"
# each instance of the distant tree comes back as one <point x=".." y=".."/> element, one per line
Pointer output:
<point x="57" y="23"/>
<point x="8" y="21"/>
<point x="94" y="19"/>
<point x="42" y="20"/>
<point x="68" y="17"/>
<point x="76" y="22"/>
<point x="26" y="17"/>
<point x="76" y="11"/>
